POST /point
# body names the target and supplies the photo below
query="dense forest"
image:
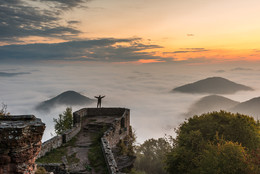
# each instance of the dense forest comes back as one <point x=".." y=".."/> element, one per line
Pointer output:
<point x="217" y="142"/>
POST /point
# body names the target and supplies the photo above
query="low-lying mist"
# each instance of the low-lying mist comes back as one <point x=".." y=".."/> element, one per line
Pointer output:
<point x="145" y="89"/>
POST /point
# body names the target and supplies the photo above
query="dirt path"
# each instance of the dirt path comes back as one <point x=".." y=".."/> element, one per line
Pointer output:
<point x="81" y="149"/>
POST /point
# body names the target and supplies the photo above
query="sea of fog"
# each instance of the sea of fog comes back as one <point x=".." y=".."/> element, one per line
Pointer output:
<point x="145" y="89"/>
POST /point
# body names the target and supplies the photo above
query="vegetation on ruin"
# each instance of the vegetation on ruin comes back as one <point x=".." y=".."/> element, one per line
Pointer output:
<point x="127" y="145"/>
<point x="95" y="154"/>
<point x="55" y="156"/>
<point x="64" y="122"/>
<point x="72" y="159"/>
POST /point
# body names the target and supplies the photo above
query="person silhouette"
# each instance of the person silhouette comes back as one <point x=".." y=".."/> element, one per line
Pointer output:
<point x="99" y="100"/>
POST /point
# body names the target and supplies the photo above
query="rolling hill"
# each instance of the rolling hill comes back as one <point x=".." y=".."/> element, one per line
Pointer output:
<point x="215" y="103"/>
<point x="212" y="85"/>
<point x="211" y="103"/>
<point x="68" y="98"/>
<point x="249" y="107"/>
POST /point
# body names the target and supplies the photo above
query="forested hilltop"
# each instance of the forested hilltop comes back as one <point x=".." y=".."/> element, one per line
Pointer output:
<point x="217" y="142"/>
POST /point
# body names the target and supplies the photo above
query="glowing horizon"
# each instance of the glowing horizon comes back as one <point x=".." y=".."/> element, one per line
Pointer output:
<point x="219" y="31"/>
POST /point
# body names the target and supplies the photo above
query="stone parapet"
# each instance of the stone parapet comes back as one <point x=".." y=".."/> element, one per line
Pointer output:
<point x="118" y="122"/>
<point x="58" y="140"/>
<point x="49" y="145"/>
<point x="118" y="131"/>
<point x="109" y="157"/>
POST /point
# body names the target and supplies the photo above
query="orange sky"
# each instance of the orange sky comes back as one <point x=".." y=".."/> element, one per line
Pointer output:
<point x="228" y="29"/>
<point x="223" y="30"/>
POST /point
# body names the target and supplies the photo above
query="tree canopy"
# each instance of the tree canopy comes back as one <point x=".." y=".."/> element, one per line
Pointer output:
<point x="151" y="155"/>
<point x="215" y="142"/>
<point x="64" y="122"/>
<point x="224" y="157"/>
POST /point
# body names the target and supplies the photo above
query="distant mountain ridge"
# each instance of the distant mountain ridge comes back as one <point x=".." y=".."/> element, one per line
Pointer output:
<point x="211" y="103"/>
<point x="216" y="103"/>
<point x="251" y="107"/>
<point x="212" y="85"/>
<point x="69" y="98"/>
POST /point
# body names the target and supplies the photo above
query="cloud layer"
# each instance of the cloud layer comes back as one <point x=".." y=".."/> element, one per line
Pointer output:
<point x="144" y="89"/>
<point x="20" y="18"/>
<point x="104" y="49"/>
<point x="6" y="74"/>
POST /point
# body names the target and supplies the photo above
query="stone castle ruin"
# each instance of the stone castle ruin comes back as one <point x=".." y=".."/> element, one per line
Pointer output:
<point x="20" y="143"/>
<point x="20" y="139"/>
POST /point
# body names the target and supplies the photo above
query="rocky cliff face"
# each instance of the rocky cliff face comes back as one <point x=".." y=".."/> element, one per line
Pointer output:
<point x="20" y="143"/>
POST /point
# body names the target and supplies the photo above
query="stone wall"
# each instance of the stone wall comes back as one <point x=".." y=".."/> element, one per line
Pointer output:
<point x="118" y="130"/>
<point x="109" y="157"/>
<point x="58" y="140"/>
<point x="105" y="111"/>
<point x="93" y="112"/>
<point x="69" y="134"/>
<point x="49" y="145"/>
<point x="20" y="139"/>
<point x="20" y="143"/>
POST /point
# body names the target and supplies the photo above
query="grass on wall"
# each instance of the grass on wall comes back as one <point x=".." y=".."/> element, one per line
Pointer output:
<point x="95" y="154"/>
<point x="55" y="156"/>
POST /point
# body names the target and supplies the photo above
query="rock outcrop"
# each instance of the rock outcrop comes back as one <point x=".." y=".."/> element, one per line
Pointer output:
<point x="20" y="143"/>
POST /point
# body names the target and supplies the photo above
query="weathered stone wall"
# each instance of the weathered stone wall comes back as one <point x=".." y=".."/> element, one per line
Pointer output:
<point x="105" y="111"/>
<point x="120" y="125"/>
<point x="50" y="144"/>
<point x="77" y="116"/>
<point x="93" y="112"/>
<point x="58" y="140"/>
<point x="118" y="130"/>
<point x="109" y="157"/>
<point x="69" y="134"/>
<point x="110" y="139"/>
<point x="20" y="143"/>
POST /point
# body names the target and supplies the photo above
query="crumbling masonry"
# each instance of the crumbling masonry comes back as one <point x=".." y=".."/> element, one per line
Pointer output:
<point x="20" y="143"/>
<point x="20" y="139"/>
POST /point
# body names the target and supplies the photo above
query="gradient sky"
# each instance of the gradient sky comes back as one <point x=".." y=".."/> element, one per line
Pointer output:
<point x="132" y="51"/>
<point x="136" y="31"/>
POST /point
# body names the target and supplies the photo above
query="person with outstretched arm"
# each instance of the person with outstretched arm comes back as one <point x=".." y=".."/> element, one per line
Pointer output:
<point x="99" y="100"/>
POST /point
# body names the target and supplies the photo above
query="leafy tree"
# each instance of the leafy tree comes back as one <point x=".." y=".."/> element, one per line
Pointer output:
<point x="127" y="148"/>
<point x="225" y="157"/>
<point x="253" y="160"/>
<point x="64" y="122"/>
<point x="198" y="139"/>
<point x="151" y="154"/>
